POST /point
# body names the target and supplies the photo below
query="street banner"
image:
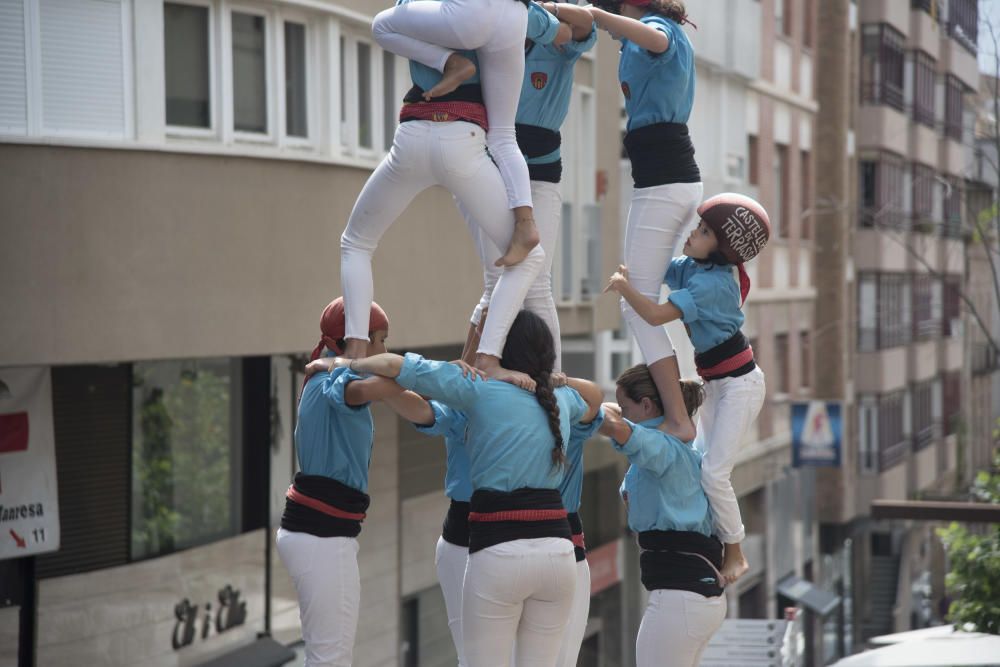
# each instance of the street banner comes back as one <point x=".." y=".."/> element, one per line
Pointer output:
<point x="29" y="505"/>
<point x="817" y="430"/>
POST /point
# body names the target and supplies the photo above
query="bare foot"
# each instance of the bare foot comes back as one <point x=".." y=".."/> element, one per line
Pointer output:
<point x="491" y="368"/>
<point x="457" y="69"/>
<point x="734" y="564"/>
<point x="521" y="243"/>
<point x="684" y="431"/>
<point x="355" y="348"/>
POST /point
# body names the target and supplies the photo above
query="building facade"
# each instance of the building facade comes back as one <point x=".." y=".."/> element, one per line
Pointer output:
<point x="894" y="263"/>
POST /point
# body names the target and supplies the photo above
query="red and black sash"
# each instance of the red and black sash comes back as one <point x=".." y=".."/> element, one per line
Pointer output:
<point x="323" y="507"/>
<point x="524" y="514"/>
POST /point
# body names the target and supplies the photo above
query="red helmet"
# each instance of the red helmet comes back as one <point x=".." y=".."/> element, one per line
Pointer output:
<point x="740" y="224"/>
<point x="332" y="325"/>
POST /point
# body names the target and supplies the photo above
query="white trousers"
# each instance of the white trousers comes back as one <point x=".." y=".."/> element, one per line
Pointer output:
<point x="569" y="651"/>
<point x="730" y="408"/>
<point x="450" y="561"/>
<point x="495" y="29"/>
<point x="539" y="299"/>
<point x="423" y="154"/>
<point x="325" y="573"/>
<point x="676" y="628"/>
<point x="658" y="218"/>
<point x="520" y="590"/>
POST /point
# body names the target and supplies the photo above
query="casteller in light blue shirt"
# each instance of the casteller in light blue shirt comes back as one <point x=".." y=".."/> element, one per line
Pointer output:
<point x="663" y="485"/>
<point x="708" y="296"/>
<point x="332" y="438"/>
<point x="452" y="424"/>
<point x="572" y="487"/>
<point x="542" y="27"/>
<point x="508" y="438"/>
<point x="658" y="87"/>
<point x="548" y="85"/>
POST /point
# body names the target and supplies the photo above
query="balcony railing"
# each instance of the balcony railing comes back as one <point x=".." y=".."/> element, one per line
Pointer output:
<point x="892" y="454"/>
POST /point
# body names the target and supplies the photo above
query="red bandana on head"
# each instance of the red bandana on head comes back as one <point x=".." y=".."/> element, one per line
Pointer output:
<point x="332" y="326"/>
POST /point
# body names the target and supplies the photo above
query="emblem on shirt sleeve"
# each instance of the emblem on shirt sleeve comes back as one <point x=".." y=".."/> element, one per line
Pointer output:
<point x="626" y="91"/>
<point x="539" y="79"/>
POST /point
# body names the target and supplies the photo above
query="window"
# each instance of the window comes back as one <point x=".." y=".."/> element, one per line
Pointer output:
<point x="951" y="407"/>
<point x="923" y="88"/>
<point x="954" y="93"/>
<point x="805" y="351"/>
<point x="783" y="17"/>
<point x="781" y="362"/>
<point x="922" y="409"/>
<point x="296" y="101"/>
<point x="186" y="454"/>
<point x="963" y="22"/>
<point x="808" y="17"/>
<point x="249" y="73"/>
<point x="952" y="224"/>
<point x="752" y="155"/>
<point x="13" y="70"/>
<point x="780" y="190"/>
<point x="390" y="105"/>
<point x="187" y="63"/>
<point x="926" y="307"/>
<point x="952" y="306"/>
<point x="881" y="192"/>
<point x="923" y="197"/>
<point x="932" y="7"/>
<point x="806" y="189"/>
<point x="867" y="434"/>
<point x="362" y="109"/>
<point x="365" y="119"/>
<point x="882" y="65"/>
<point x="892" y="441"/>
<point x="883" y="311"/>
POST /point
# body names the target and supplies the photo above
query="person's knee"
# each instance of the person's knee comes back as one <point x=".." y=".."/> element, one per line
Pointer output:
<point x="380" y="24"/>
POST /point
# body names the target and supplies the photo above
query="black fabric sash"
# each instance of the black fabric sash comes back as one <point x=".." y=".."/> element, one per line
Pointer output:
<point x="666" y="561"/>
<point x="725" y="350"/>
<point x="455" y="529"/>
<point x="576" y="528"/>
<point x="470" y="92"/>
<point x="301" y="519"/>
<point x="661" y="153"/>
<point x="484" y="534"/>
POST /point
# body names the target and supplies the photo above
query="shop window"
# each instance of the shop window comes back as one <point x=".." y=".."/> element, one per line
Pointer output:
<point x="186" y="454"/>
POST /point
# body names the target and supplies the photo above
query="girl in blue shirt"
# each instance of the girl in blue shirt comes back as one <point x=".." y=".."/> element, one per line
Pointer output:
<point x="521" y="575"/>
<point x="707" y="296"/>
<point x="545" y="98"/>
<point x="668" y="509"/>
<point x="657" y="74"/>
<point x="326" y="503"/>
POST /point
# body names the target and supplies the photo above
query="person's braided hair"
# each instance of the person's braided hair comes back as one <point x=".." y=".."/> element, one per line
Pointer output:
<point x="530" y="350"/>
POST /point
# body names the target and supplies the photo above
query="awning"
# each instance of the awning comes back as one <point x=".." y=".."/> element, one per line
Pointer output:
<point x="958" y="648"/>
<point x="811" y="596"/>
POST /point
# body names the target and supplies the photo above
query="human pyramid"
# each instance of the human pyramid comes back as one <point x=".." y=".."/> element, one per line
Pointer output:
<point x="492" y="81"/>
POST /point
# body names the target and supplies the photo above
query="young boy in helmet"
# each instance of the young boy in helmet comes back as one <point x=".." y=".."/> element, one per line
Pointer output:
<point x="707" y="294"/>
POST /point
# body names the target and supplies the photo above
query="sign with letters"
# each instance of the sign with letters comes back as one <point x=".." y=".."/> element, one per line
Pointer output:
<point x="29" y="505"/>
<point x="817" y="429"/>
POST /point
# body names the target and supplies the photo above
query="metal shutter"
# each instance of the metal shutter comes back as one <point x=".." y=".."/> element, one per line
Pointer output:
<point x="83" y="59"/>
<point x="13" y="82"/>
<point x="91" y="407"/>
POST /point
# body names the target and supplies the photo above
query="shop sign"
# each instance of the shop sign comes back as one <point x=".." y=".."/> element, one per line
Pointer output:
<point x="817" y="430"/>
<point x="29" y="496"/>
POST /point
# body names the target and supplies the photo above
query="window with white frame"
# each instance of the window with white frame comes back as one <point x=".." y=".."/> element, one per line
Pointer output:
<point x="64" y="68"/>
<point x="187" y="61"/>
<point x="362" y="116"/>
<point x="250" y="85"/>
<point x="296" y="82"/>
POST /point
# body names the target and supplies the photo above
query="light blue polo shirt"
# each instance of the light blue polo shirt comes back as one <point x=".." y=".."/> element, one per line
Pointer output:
<point x="708" y="296"/>
<point x="334" y="439"/>
<point x="508" y="438"/>
<point x="658" y="87"/>
<point x="572" y="486"/>
<point x="452" y="425"/>
<point x="548" y="86"/>
<point x="663" y="484"/>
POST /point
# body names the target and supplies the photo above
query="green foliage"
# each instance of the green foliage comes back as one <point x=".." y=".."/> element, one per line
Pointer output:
<point x="974" y="559"/>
